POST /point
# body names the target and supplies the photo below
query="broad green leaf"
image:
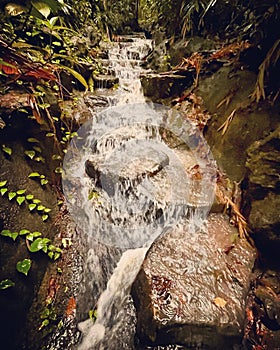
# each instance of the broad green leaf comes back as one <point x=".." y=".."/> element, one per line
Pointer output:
<point x="30" y="153"/>
<point x="42" y="176"/>
<point x="43" y="8"/>
<point x="45" y="217"/>
<point x="76" y="75"/>
<point x="23" y="232"/>
<point x="11" y="195"/>
<point x="53" y="20"/>
<point x="47" y="210"/>
<point x="32" y="206"/>
<point x="33" y="140"/>
<point x="41" y="207"/>
<point x="37" y="245"/>
<point x="29" y="197"/>
<point x="21" y="191"/>
<point x="50" y="134"/>
<point x="7" y="150"/>
<point x="44" y="182"/>
<point x="33" y="235"/>
<point x="3" y="190"/>
<point x="56" y="256"/>
<point x="20" y="200"/>
<point x="3" y="183"/>
<point x="24" y="266"/>
<point x="36" y="201"/>
<point x="4" y="284"/>
<point x="8" y="233"/>
<point x="35" y="174"/>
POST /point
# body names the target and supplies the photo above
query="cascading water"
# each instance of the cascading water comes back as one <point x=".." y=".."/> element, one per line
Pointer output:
<point x="125" y="186"/>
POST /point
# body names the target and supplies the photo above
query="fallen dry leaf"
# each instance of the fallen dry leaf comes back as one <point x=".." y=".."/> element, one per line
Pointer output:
<point x="220" y="302"/>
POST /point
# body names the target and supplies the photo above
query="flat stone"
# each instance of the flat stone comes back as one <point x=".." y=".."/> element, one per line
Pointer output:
<point x="192" y="287"/>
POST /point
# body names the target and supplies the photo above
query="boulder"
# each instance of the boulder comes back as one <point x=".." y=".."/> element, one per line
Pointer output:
<point x="192" y="287"/>
<point x="263" y="195"/>
<point x="158" y="86"/>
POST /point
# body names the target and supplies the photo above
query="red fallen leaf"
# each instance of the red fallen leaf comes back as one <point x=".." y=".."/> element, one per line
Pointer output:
<point x="9" y="68"/>
<point x="39" y="73"/>
<point x="71" y="308"/>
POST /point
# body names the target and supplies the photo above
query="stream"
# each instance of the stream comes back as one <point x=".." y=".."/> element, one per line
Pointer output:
<point x="128" y="179"/>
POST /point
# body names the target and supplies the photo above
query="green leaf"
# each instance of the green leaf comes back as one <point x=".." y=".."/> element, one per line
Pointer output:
<point x="50" y="134"/>
<point x="35" y="174"/>
<point x="58" y="170"/>
<point x="33" y="235"/>
<point x="40" y="159"/>
<point x="56" y="256"/>
<point x="33" y="140"/>
<point x="47" y="210"/>
<point x="30" y="153"/>
<point x="8" y="233"/>
<point x="32" y="206"/>
<point x="56" y="157"/>
<point x="21" y="191"/>
<point x="3" y="183"/>
<point x="23" y="232"/>
<point x="37" y="245"/>
<point x="37" y="149"/>
<point x="76" y="75"/>
<point x="50" y="255"/>
<point x="20" y="200"/>
<point x="45" y="217"/>
<point x="44" y="324"/>
<point x="7" y="150"/>
<point x="3" y="190"/>
<point x="29" y="197"/>
<point x="41" y="207"/>
<point x="4" y="284"/>
<point x="24" y="266"/>
<point x="42" y="8"/>
<point x="36" y="201"/>
<point x="11" y="195"/>
<point x="44" y="182"/>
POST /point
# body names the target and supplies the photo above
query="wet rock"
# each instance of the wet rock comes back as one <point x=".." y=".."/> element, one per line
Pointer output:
<point x="264" y="161"/>
<point x="143" y="163"/>
<point x="158" y="86"/>
<point x="251" y="122"/>
<point x="263" y="197"/>
<point x="183" y="48"/>
<point x="192" y="287"/>
<point x="104" y="81"/>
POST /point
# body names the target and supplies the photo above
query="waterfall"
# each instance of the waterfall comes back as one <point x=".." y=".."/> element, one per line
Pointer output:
<point x="125" y="186"/>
